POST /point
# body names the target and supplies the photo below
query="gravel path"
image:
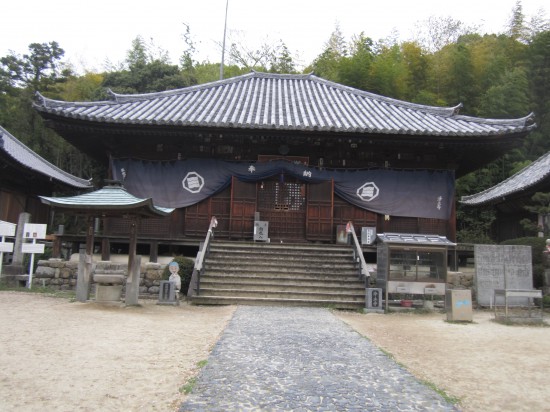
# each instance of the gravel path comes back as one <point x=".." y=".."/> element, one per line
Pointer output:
<point x="303" y="359"/>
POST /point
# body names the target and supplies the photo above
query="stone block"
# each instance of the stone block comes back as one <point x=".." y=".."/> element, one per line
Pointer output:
<point x="153" y="274"/>
<point x="153" y="290"/>
<point x="65" y="273"/>
<point x="56" y="263"/>
<point x="153" y="266"/>
<point x="44" y="272"/>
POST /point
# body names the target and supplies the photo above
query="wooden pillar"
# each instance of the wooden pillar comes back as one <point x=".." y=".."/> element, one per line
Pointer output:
<point x="154" y="251"/>
<point x="83" y="279"/>
<point x="56" y="250"/>
<point x="105" y="249"/>
<point x="134" y="264"/>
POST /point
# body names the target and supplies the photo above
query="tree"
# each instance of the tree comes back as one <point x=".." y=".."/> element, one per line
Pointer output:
<point x="40" y="69"/>
<point x="509" y="98"/>
<point x="540" y="206"/>
<point x="389" y="75"/>
<point x="148" y="70"/>
<point x="539" y="75"/>
<point x="354" y="69"/>
<point x="20" y="78"/>
<point x="186" y="60"/>
<point x="326" y="65"/>
<point x="281" y="60"/>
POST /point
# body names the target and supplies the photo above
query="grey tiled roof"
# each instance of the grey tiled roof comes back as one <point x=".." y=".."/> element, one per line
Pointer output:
<point x="526" y="178"/>
<point x="29" y="159"/>
<point x="414" y="239"/>
<point x="108" y="197"/>
<point x="264" y="101"/>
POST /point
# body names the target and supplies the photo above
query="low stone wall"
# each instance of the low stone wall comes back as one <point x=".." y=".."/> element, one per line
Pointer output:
<point x="461" y="280"/>
<point x="60" y="274"/>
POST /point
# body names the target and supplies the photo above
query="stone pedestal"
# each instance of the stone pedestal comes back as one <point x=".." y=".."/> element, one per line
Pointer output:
<point x="108" y="285"/>
<point x="108" y="293"/>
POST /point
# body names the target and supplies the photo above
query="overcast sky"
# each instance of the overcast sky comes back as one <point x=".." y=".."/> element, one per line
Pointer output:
<point x="92" y="32"/>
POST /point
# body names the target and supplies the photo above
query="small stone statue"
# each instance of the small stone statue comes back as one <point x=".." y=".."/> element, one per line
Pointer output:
<point x="175" y="278"/>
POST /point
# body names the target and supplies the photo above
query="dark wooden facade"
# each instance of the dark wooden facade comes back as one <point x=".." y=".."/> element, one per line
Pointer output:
<point x="315" y="220"/>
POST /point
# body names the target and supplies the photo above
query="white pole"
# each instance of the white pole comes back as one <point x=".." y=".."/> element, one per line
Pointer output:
<point x="31" y="266"/>
<point x="1" y="260"/>
<point x="223" y="42"/>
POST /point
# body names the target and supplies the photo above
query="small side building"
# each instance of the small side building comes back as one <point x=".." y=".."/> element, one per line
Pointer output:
<point x="25" y="176"/>
<point x="510" y="197"/>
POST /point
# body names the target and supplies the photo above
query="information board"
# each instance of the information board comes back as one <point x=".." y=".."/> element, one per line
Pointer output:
<point x="34" y="231"/>
<point x="7" y="228"/>
<point x="501" y="267"/>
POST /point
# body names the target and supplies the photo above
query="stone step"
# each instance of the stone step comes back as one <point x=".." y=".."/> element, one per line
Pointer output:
<point x="280" y="294"/>
<point x="281" y="274"/>
<point x="355" y="287"/>
<point x="291" y="259"/>
<point x="259" y="277"/>
<point x="239" y="300"/>
<point x="270" y="268"/>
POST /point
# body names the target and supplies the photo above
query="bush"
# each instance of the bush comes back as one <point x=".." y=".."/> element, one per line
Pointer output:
<point x="538" y="245"/>
<point x="186" y="270"/>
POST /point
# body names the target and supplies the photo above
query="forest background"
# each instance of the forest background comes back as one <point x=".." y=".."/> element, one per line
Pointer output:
<point x="504" y="75"/>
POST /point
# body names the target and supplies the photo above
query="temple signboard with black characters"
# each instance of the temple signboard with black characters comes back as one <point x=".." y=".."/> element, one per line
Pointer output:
<point x="306" y="154"/>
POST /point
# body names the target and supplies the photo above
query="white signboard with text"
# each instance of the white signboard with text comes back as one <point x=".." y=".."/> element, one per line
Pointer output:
<point x="6" y="229"/>
<point x="33" y="231"/>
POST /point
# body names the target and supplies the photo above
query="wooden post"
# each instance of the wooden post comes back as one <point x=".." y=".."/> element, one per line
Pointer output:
<point x="85" y="269"/>
<point x="134" y="265"/>
<point x="154" y="251"/>
<point x="105" y="249"/>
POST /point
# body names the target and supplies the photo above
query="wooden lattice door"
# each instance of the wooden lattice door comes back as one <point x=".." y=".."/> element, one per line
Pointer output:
<point x="282" y="203"/>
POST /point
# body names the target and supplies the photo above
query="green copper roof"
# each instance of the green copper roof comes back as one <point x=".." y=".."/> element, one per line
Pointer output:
<point x="110" y="200"/>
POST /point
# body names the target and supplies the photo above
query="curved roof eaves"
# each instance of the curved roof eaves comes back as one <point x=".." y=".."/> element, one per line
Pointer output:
<point x="527" y="177"/>
<point x="31" y="160"/>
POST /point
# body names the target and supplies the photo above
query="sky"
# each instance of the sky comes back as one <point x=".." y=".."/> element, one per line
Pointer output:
<point x="94" y="32"/>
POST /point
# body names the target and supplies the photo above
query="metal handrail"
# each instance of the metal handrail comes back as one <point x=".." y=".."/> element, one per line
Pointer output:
<point x="194" y="287"/>
<point x="364" y="272"/>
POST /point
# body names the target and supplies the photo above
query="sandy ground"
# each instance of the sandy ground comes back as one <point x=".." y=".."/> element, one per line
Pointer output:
<point x="57" y="355"/>
<point x="488" y="365"/>
<point x="61" y="356"/>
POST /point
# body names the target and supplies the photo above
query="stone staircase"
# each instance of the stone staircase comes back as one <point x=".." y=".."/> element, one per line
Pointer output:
<point x="281" y="274"/>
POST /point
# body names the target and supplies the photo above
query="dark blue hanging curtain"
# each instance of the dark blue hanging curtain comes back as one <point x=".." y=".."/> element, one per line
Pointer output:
<point x="182" y="183"/>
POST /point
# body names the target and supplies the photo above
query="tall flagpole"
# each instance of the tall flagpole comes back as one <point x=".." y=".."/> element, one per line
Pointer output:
<point x="223" y="43"/>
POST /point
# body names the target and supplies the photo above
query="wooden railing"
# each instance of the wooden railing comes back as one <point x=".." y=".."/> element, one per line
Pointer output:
<point x="194" y="286"/>
<point x="358" y="254"/>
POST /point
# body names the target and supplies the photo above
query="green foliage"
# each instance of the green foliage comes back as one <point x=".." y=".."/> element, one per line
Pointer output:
<point x="538" y="245"/>
<point x="186" y="270"/>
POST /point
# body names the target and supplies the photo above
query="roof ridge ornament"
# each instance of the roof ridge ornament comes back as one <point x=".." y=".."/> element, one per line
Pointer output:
<point x="456" y="109"/>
